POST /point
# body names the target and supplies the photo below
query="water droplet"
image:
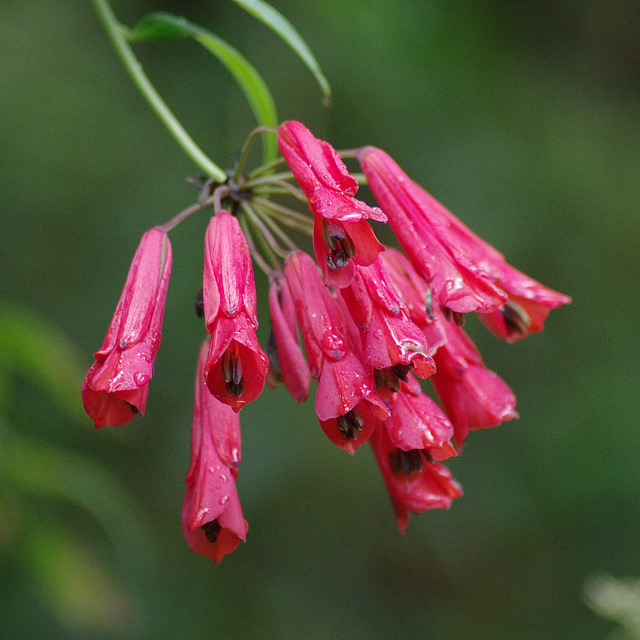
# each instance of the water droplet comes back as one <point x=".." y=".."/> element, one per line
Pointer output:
<point x="141" y="378"/>
<point x="333" y="345"/>
<point x="223" y="500"/>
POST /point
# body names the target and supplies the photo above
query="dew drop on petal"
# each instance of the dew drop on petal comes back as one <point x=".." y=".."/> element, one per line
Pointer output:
<point x="141" y="378"/>
<point x="333" y="345"/>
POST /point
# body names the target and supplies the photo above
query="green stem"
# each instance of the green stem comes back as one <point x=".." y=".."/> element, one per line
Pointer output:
<point x="116" y="33"/>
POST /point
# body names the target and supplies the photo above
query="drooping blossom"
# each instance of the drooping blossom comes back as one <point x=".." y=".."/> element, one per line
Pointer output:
<point x="334" y="360"/>
<point x="212" y="517"/>
<point x="116" y="386"/>
<point x="414" y="483"/>
<point x="417" y="422"/>
<point x="473" y="397"/>
<point x="341" y="234"/>
<point x="391" y="343"/>
<point x="237" y="366"/>
<point x="465" y="273"/>
<point x="286" y="362"/>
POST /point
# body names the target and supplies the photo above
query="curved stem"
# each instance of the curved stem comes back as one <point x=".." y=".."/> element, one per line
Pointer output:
<point x="115" y="32"/>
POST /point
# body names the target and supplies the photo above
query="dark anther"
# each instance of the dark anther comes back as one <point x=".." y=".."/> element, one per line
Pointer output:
<point x="428" y="456"/>
<point x="133" y="408"/>
<point x="341" y="258"/>
<point x="405" y="461"/>
<point x="515" y="318"/>
<point x="428" y="305"/>
<point x="232" y="372"/>
<point x="200" y="304"/>
<point x="391" y="376"/>
<point x="340" y="244"/>
<point x="458" y="317"/>
<point x="350" y="424"/>
<point x="212" y="530"/>
<point x="386" y="378"/>
<point x="402" y="370"/>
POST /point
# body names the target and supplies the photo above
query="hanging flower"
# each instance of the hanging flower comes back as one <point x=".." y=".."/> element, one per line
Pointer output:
<point x="341" y="234"/>
<point x="116" y="387"/>
<point x="286" y="362"/>
<point x="391" y="343"/>
<point x="415" y="484"/>
<point x="465" y="273"/>
<point x="473" y="397"/>
<point x="211" y="514"/>
<point x="237" y="366"/>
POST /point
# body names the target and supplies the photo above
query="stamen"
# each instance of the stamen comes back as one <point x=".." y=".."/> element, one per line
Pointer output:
<point x="402" y="370"/>
<point x="341" y="258"/>
<point x="340" y="244"/>
<point x="428" y="305"/>
<point x="515" y="317"/>
<point x="133" y="408"/>
<point x="458" y="317"/>
<point x="386" y="378"/>
<point x="232" y="371"/>
<point x="350" y="424"/>
<point x="390" y="377"/>
<point x="212" y="530"/>
<point x="405" y="461"/>
<point x="348" y="245"/>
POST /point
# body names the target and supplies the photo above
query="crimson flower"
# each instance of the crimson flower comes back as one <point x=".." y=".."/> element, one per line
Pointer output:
<point x="391" y="343"/>
<point x="465" y="273"/>
<point x="212" y="517"/>
<point x="334" y="359"/>
<point x="473" y="397"/>
<point x="341" y="234"/>
<point x="237" y="366"/>
<point x="116" y="386"/>
<point x="286" y="362"/>
<point x="414" y="483"/>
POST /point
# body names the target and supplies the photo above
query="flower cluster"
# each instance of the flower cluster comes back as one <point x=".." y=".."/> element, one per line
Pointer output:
<point x="373" y="322"/>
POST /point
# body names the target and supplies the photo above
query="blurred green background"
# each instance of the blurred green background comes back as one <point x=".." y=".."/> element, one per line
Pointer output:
<point x="524" y="119"/>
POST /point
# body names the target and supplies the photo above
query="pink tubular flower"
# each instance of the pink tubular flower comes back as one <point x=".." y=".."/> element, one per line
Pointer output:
<point x="116" y="386"/>
<point x="472" y="396"/>
<point x="286" y="360"/>
<point x="237" y="365"/>
<point x="391" y="343"/>
<point x="417" y="422"/>
<point x="341" y="234"/>
<point x="465" y="273"/>
<point x="211" y="514"/>
<point x="334" y="360"/>
<point x="414" y="483"/>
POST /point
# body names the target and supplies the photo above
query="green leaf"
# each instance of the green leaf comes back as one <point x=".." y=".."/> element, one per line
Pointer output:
<point x="155" y="28"/>
<point x="48" y="472"/>
<point x="38" y="351"/>
<point x="276" y="21"/>
<point x="165" y="26"/>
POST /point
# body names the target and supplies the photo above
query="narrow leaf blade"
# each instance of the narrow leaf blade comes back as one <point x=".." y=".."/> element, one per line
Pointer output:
<point x="278" y="23"/>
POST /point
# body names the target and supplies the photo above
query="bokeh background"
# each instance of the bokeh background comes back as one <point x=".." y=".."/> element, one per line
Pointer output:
<point x="524" y="119"/>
